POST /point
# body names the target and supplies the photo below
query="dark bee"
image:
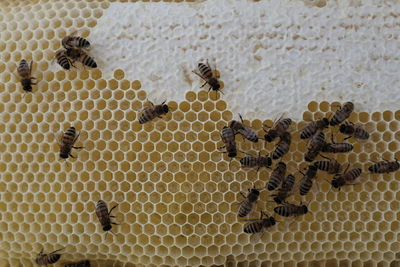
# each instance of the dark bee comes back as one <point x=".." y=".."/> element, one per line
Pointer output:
<point x="277" y="176"/>
<point x="331" y="166"/>
<point x="307" y="181"/>
<point x="153" y="111"/>
<point x="345" y="179"/>
<point x="84" y="263"/>
<point x="247" y="205"/>
<point x="291" y="210"/>
<point x="259" y="225"/>
<point x="104" y="215"/>
<point x="313" y="127"/>
<point x="384" y="166"/>
<point x="24" y="71"/>
<point x="63" y="60"/>
<point x="77" y="54"/>
<point x="206" y="73"/>
<point x="353" y="131"/>
<point x="277" y="130"/>
<point x="246" y="131"/>
<point x="337" y="147"/>
<point x="67" y="142"/>
<point x="72" y="41"/>
<point x="285" y="190"/>
<point x="228" y="138"/>
<point x="342" y="114"/>
<point x="283" y="146"/>
<point x="259" y="161"/>
<point x="316" y="144"/>
<point x="44" y="259"/>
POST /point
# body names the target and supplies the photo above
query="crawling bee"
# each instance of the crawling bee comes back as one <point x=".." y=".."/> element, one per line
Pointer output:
<point x="259" y="225"/>
<point x="313" y="127"/>
<point x="24" y="71"/>
<point x="285" y="189"/>
<point x="317" y="142"/>
<point x="342" y="114"/>
<point x="153" y="111"/>
<point x="63" y="60"/>
<point x="44" y="259"/>
<point x="206" y="73"/>
<point x="228" y="138"/>
<point x="353" y="131"/>
<point x="384" y="166"/>
<point x="277" y="130"/>
<point x="84" y="263"/>
<point x="67" y="142"/>
<point x="72" y="41"/>
<point x="250" y="161"/>
<point x="277" y="176"/>
<point x="337" y="147"/>
<point x="291" y="210"/>
<point x="347" y="178"/>
<point x="331" y="166"/>
<point x="77" y="54"/>
<point x="247" y="205"/>
<point x="283" y="146"/>
<point x="104" y="215"/>
<point x="246" y="131"/>
<point x="307" y="181"/>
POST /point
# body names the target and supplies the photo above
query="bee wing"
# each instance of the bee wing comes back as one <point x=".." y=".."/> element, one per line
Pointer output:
<point x="257" y="236"/>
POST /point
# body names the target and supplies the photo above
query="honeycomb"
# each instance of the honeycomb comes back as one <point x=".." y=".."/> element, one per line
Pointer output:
<point x="177" y="193"/>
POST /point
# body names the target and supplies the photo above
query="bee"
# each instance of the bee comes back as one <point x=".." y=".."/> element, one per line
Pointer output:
<point x="63" y="60"/>
<point x="44" y="259"/>
<point x="153" y="111"/>
<point x="246" y="131"/>
<point x="250" y="161"/>
<point x="77" y="54"/>
<point x="67" y="142"/>
<point x="313" y="127"/>
<point x="104" y="215"/>
<point x="72" y="41"/>
<point x="316" y="144"/>
<point x="277" y="130"/>
<point x="283" y="146"/>
<point x="331" y="166"/>
<point x="228" y="138"/>
<point x="337" y="147"/>
<point x="307" y="181"/>
<point x="291" y="210"/>
<point x="384" y="166"/>
<point x="84" y="263"/>
<point x="285" y="189"/>
<point x="247" y="205"/>
<point x="259" y="225"/>
<point x="345" y="179"/>
<point x="277" y="176"/>
<point x="353" y="131"/>
<point x="24" y="71"/>
<point x="342" y="114"/>
<point x="206" y="73"/>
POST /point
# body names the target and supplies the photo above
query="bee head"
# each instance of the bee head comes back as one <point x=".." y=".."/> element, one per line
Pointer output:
<point x="342" y="128"/>
<point x="370" y="168"/>
<point x="304" y="209"/>
<point x="165" y="108"/>
<point x="232" y="154"/>
<point x="26" y="85"/>
<point x="337" y="182"/>
<point x="270" y="135"/>
<point x="107" y="227"/>
<point x="281" y="164"/>
<point x="255" y="192"/>
<point x="325" y="121"/>
<point x="216" y="86"/>
<point x="272" y="220"/>
<point x="278" y="200"/>
<point x="63" y="155"/>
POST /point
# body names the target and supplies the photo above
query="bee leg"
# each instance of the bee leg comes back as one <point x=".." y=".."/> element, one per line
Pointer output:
<point x="112" y="209"/>
<point x="204" y="85"/>
<point x="71" y="156"/>
<point x="78" y="147"/>
<point x="348" y="137"/>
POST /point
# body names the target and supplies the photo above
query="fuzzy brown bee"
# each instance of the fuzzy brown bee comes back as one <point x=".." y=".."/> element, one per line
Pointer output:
<point x="151" y="112"/>
<point x="45" y="259"/>
<point x="246" y="131"/>
<point x="77" y="54"/>
<point x="347" y="178"/>
<point x="206" y="73"/>
<point x="259" y="161"/>
<point x="285" y="190"/>
<point x="228" y="138"/>
<point x="24" y="71"/>
<point x="67" y="142"/>
<point x="277" y="176"/>
<point x="72" y="41"/>
<point x="317" y="142"/>
<point x="277" y="130"/>
<point x="353" y="131"/>
<point x="259" y="225"/>
<point x="84" y="263"/>
<point x="63" y="60"/>
<point x="342" y="114"/>
<point x="247" y="205"/>
<point x="307" y="181"/>
<point x="384" y="166"/>
<point x="331" y="166"/>
<point x="104" y="215"/>
<point x="291" y="210"/>
<point x="283" y="146"/>
<point x="313" y="127"/>
<point x="337" y="148"/>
